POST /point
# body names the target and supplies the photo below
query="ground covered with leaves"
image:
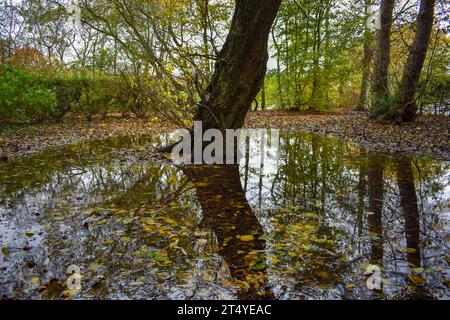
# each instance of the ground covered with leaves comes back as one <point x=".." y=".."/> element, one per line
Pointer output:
<point x="21" y="141"/>
<point x="429" y="136"/>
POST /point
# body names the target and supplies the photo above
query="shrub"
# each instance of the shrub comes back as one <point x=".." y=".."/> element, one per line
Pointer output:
<point x="27" y="96"/>
<point x="23" y="98"/>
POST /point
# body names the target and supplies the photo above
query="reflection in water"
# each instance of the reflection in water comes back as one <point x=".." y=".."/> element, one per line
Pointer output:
<point x="408" y="203"/>
<point x="226" y="211"/>
<point x="301" y="225"/>
<point x="376" y="198"/>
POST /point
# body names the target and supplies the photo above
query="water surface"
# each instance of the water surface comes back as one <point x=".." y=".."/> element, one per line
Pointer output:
<point x="307" y="220"/>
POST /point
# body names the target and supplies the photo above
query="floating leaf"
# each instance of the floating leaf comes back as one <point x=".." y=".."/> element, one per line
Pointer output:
<point x="5" y="251"/>
<point x="259" y="265"/>
<point x="416" y="279"/>
<point x="95" y="266"/>
<point x="406" y="250"/>
<point x="246" y="238"/>
<point x="418" y="270"/>
<point x="159" y="256"/>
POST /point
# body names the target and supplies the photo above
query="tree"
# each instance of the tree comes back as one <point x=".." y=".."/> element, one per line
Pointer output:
<point x="363" y="104"/>
<point x="314" y="42"/>
<point x="380" y="80"/>
<point x="241" y="66"/>
<point x="405" y="109"/>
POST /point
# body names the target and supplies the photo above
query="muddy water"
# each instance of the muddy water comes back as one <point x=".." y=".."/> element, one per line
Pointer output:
<point x="315" y="218"/>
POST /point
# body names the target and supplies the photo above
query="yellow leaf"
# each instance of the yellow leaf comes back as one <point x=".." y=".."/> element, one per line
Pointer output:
<point x="416" y="279"/>
<point x="246" y="238"/>
<point x="407" y="250"/>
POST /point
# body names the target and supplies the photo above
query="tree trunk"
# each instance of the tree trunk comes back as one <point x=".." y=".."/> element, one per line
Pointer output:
<point x="279" y="83"/>
<point x="363" y="104"/>
<point x="241" y="66"/>
<point x="380" y="81"/>
<point x="263" y="97"/>
<point x="405" y="109"/>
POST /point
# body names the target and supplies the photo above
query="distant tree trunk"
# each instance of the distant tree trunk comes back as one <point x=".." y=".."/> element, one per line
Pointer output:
<point x="241" y="66"/>
<point x="263" y="97"/>
<point x="279" y="83"/>
<point x="364" y="101"/>
<point x="203" y="7"/>
<point x="287" y="64"/>
<point x="256" y="104"/>
<point x="380" y="81"/>
<point x="405" y="109"/>
<point x="317" y="55"/>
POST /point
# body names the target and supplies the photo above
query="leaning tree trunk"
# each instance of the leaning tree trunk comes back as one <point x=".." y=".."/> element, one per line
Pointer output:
<point x="241" y="66"/>
<point x="405" y="109"/>
<point x="380" y="81"/>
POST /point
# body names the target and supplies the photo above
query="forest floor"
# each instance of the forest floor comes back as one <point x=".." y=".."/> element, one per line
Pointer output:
<point x="429" y="136"/>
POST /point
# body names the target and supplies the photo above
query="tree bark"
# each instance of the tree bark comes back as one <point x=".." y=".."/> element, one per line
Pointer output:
<point x="405" y="108"/>
<point x="380" y="81"/>
<point x="263" y="97"/>
<point x="364" y="99"/>
<point x="279" y="83"/>
<point x="241" y="66"/>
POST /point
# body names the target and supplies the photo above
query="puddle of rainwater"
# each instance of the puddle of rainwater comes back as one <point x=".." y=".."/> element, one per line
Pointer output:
<point x="315" y="218"/>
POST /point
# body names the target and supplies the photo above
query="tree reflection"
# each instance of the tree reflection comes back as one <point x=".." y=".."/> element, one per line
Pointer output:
<point x="376" y="198"/>
<point x="327" y="209"/>
<point x="410" y="209"/>
<point x="226" y="211"/>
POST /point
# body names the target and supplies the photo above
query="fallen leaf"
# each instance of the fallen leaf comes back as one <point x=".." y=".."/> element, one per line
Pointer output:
<point x="5" y="251"/>
<point x="246" y="238"/>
